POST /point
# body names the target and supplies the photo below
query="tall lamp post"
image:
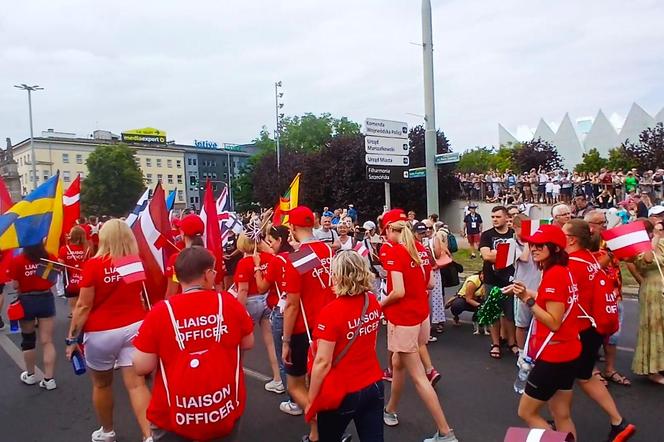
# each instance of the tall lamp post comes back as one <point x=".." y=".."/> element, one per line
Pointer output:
<point x="430" y="139"/>
<point x="31" y="89"/>
<point x="278" y="104"/>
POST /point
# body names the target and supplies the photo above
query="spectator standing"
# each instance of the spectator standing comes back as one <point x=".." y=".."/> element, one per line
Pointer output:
<point x="73" y="255"/>
<point x="641" y="208"/>
<point x="352" y="212"/>
<point x="327" y="234"/>
<point x="561" y="214"/>
<point x="631" y="182"/>
<point x="472" y="228"/>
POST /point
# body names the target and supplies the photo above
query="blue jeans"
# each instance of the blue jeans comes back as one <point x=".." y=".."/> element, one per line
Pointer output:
<point x="277" y="321"/>
<point x="364" y="407"/>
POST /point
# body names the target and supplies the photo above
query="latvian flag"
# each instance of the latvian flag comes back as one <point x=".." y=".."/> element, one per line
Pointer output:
<point x="628" y="240"/>
<point x="130" y="269"/>
<point x="305" y="260"/>
<point x="505" y="254"/>
<point x="362" y="249"/>
<point x="530" y="226"/>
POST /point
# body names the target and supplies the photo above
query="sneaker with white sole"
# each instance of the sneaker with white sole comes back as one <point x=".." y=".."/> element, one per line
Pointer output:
<point x="390" y="419"/>
<point x="449" y="437"/>
<point x="290" y="407"/>
<point x="103" y="436"/>
<point x="28" y="379"/>
<point x="275" y="387"/>
<point x="48" y="385"/>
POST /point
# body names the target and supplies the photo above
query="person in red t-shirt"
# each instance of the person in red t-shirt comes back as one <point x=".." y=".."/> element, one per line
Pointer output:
<point x="315" y="291"/>
<point x="110" y="311"/>
<point x="345" y="367"/>
<point x="554" y="342"/>
<point x="37" y="300"/>
<point x="584" y="267"/>
<point x="73" y="255"/>
<point x="95" y="227"/>
<point x="195" y="310"/>
<point x="406" y="308"/>
<point x="192" y="229"/>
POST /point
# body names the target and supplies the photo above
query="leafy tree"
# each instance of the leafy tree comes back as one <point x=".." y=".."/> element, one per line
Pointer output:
<point x="536" y="153"/>
<point x="310" y="132"/>
<point x="620" y="159"/>
<point x="503" y="159"/>
<point x="114" y="182"/>
<point x="476" y="160"/>
<point x="592" y="162"/>
<point x="649" y="151"/>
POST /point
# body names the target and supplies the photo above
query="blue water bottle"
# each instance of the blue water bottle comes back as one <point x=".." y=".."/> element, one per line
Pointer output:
<point x="78" y="363"/>
<point x="13" y="326"/>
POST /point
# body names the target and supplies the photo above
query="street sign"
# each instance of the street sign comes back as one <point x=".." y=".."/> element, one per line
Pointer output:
<point x="387" y="174"/>
<point x="386" y="160"/>
<point x="387" y="146"/>
<point x="446" y="158"/>
<point x="386" y="128"/>
<point x="417" y="172"/>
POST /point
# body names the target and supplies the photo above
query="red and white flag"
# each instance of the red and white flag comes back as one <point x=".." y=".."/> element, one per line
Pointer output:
<point x="628" y="240"/>
<point x="212" y="233"/>
<point x="530" y="226"/>
<point x="505" y="254"/>
<point x="305" y="259"/>
<point x="71" y="205"/>
<point x="362" y="249"/>
<point x="130" y="268"/>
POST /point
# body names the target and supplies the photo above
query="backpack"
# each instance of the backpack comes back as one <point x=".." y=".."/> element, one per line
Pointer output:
<point x="209" y="407"/>
<point x="452" y="243"/>
<point x="603" y="314"/>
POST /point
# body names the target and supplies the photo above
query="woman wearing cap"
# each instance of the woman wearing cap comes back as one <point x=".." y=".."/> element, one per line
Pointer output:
<point x="554" y="340"/>
<point x="406" y="308"/>
<point x="191" y="229"/>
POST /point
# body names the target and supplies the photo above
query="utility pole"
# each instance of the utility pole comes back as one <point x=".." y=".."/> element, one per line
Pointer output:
<point x="430" y="139"/>
<point x="30" y="89"/>
<point x="278" y="104"/>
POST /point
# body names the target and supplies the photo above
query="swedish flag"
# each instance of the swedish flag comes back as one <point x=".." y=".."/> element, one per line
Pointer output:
<point x="37" y="216"/>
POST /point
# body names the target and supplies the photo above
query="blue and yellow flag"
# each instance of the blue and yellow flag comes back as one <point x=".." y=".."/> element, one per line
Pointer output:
<point x="35" y="218"/>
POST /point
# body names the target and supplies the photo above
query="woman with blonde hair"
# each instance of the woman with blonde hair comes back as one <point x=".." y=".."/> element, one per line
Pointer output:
<point x="345" y="379"/>
<point x="406" y="308"/>
<point x="109" y="312"/>
<point x="73" y="255"/>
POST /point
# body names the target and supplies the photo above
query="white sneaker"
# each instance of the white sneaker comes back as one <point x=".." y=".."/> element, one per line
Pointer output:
<point x="275" y="387"/>
<point x="148" y="439"/>
<point x="290" y="407"/>
<point x="390" y="419"/>
<point x="103" y="436"/>
<point x="28" y="379"/>
<point x="48" y="385"/>
<point x="449" y="437"/>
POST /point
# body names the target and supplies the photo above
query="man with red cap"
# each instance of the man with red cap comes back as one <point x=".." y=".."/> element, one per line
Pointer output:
<point x="311" y="291"/>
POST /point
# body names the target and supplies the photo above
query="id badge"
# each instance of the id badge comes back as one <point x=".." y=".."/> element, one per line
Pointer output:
<point x="473" y="225"/>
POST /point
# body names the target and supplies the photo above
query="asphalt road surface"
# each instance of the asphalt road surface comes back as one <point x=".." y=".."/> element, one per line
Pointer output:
<point x="475" y="390"/>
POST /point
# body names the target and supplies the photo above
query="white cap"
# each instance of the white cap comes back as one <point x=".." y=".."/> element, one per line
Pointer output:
<point x="369" y="225"/>
<point x="656" y="210"/>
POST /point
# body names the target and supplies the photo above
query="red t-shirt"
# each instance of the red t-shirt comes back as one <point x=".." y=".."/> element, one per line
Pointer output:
<point x="413" y="308"/>
<point x="566" y="346"/>
<point x="315" y="287"/>
<point x="73" y="256"/>
<point x="192" y="312"/>
<point x="116" y="303"/>
<point x="24" y="272"/>
<point x="582" y="274"/>
<point x="337" y="321"/>
<point x="244" y="272"/>
<point x="283" y="278"/>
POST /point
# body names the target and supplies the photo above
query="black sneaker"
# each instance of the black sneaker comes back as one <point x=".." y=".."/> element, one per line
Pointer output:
<point x="621" y="432"/>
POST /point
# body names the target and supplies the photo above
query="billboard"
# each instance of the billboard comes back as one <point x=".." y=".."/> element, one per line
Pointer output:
<point x="145" y="135"/>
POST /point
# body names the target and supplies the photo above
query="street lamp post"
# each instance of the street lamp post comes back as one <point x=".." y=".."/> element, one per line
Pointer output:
<point x="278" y="104"/>
<point x="430" y="138"/>
<point x="30" y="89"/>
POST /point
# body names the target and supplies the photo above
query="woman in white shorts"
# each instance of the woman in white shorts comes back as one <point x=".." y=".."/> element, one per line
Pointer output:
<point x="110" y="311"/>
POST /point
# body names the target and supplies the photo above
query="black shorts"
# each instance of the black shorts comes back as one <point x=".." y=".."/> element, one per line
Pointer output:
<point x="541" y="188"/>
<point x="508" y="308"/>
<point x="71" y="293"/>
<point x="37" y="305"/>
<point x="299" y="351"/>
<point x="591" y="341"/>
<point x="546" y="378"/>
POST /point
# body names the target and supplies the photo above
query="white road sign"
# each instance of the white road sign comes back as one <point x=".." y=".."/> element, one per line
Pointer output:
<point x="388" y="146"/>
<point x="386" y="128"/>
<point x="387" y="160"/>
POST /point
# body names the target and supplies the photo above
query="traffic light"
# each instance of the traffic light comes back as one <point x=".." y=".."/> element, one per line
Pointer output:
<point x="193" y="181"/>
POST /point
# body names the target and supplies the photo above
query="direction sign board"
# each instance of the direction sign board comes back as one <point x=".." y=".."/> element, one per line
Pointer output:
<point x="417" y="172"/>
<point x="446" y="158"/>
<point x="387" y="174"/>
<point x="386" y="160"/>
<point x="386" y="128"/>
<point x="387" y="146"/>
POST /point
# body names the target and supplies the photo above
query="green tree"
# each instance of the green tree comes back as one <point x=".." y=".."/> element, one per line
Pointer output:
<point x="592" y="162"/>
<point x="648" y="153"/>
<point x="503" y="159"/>
<point x="477" y="160"/>
<point x="114" y="181"/>
<point x="533" y="154"/>
<point x="310" y="133"/>
<point x="621" y="159"/>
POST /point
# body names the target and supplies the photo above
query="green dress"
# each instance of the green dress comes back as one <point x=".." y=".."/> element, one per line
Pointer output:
<point x="649" y="352"/>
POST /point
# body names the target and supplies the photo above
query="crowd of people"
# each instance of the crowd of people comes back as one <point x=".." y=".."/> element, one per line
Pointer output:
<point x="317" y="291"/>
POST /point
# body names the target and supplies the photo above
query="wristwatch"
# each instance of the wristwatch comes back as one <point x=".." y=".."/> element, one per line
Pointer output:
<point x="530" y="302"/>
<point x="71" y="341"/>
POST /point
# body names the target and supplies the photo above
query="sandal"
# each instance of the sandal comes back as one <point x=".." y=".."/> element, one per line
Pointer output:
<point x="599" y="376"/>
<point x="617" y="378"/>
<point x="512" y="349"/>
<point x="495" y="351"/>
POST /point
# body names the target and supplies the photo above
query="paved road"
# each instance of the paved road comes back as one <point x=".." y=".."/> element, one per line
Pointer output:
<point x="476" y="393"/>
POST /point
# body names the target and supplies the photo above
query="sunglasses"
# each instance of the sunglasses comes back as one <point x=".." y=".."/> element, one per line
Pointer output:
<point x="537" y="246"/>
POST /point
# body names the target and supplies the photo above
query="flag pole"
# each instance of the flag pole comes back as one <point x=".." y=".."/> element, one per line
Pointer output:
<point x="59" y="264"/>
<point x="145" y="293"/>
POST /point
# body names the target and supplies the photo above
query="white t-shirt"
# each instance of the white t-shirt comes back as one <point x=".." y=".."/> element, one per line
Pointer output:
<point x="348" y="245"/>
<point x="556" y="188"/>
<point x="327" y="237"/>
<point x="549" y="187"/>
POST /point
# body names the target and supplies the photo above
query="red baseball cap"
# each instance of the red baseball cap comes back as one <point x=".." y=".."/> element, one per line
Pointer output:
<point x="549" y="233"/>
<point x="301" y="216"/>
<point x="390" y="217"/>
<point x="192" y="225"/>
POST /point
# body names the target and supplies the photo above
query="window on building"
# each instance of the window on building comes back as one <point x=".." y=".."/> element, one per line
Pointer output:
<point x="179" y="179"/>
<point x="79" y="158"/>
<point x="194" y="161"/>
<point x="178" y="163"/>
<point x="46" y="174"/>
<point x="66" y="176"/>
<point x="27" y="158"/>
<point x="192" y="180"/>
<point x="169" y="163"/>
<point x="148" y="178"/>
<point x="32" y="176"/>
<point x="214" y="176"/>
<point x="180" y="195"/>
<point x="160" y="177"/>
<point x="148" y="162"/>
<point x="170" y="179"/>
<point x="158" y="162"/>
<point x="65" y="158"/>
<point x="191" y="199"/>
<point x="196" y="198"/>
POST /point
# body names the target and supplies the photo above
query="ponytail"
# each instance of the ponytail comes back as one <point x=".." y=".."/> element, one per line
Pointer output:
<point x="407" y="239"/>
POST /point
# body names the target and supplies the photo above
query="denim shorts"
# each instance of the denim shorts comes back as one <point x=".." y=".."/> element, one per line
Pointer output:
<point x="613" y="339"/>
<point x="37" y="305"/>
<point x="257" y="308"/>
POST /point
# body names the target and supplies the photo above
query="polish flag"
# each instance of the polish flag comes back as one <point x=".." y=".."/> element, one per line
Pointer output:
<point x="362" y="249"/>
<point x="71" y="205"/>
<point x="628" y="240"/>
<point x="530" y="226"/>
<point x="212" y="233"/>
<point x="305" y="259"/>
<point x="505" y="254"/>
<point x="130" y="268"/>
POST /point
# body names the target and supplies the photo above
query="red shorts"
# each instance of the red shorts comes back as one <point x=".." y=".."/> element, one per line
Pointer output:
<point x="474" y="238"/>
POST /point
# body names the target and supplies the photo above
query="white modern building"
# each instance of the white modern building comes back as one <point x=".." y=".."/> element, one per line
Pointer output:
<point x="599" y="133"/>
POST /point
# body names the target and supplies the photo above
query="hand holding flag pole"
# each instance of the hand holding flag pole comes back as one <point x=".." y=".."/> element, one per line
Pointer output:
<point x="59" y="264"/>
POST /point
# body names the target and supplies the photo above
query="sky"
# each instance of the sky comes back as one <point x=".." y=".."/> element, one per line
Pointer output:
<point x="205" y="69"/>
